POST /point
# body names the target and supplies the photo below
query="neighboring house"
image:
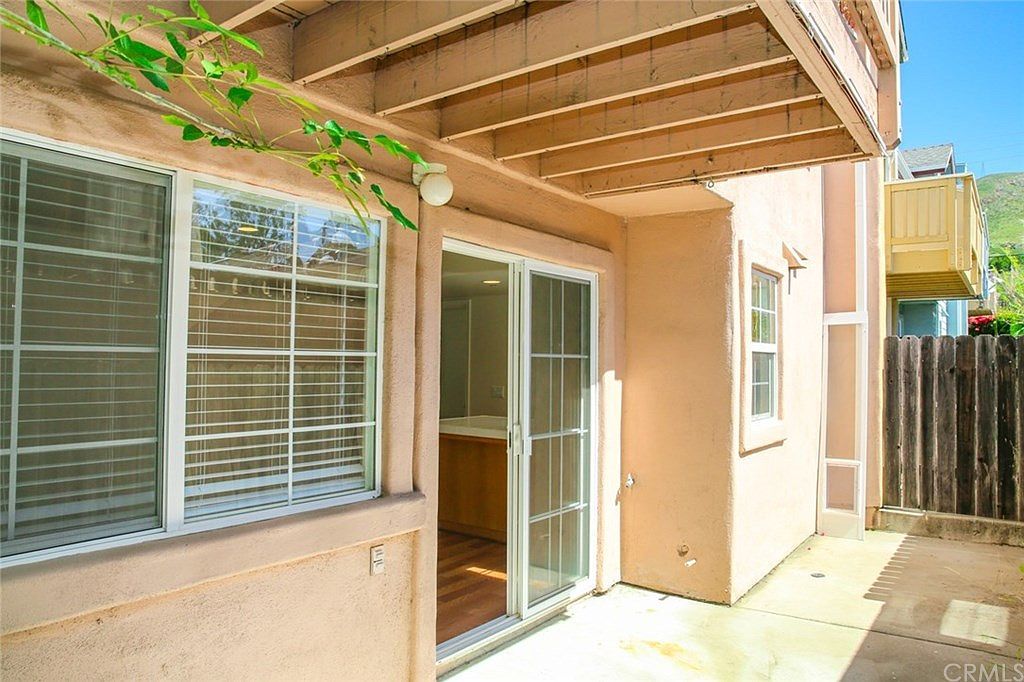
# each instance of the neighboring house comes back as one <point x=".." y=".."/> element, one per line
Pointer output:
<point x="223" y="452"/>
<point x="923" y="315"/>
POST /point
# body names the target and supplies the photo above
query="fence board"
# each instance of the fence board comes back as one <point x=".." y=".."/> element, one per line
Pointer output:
<point x="985" y="427"/>
<point x="891" y="408"/>
<point x="1019" y="459"/>
<point x="910" y="357"/>
<point x="928" y="423"/>
<point x="965" y="441"/>
<point x="1006" y="419"/>
<point x="954" y="425"/>
<point x="945" y="425"/>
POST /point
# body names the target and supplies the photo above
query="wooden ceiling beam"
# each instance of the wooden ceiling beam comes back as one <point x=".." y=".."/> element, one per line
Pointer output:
<point x="737" y="43"/>
<point x="233" y="13"/>
<point x="807" y="150"/>
<point x="707" y="100"/>
<point x="531" y="37"/>
<point x="354" y="31"/>
<point x="716" y="134"/>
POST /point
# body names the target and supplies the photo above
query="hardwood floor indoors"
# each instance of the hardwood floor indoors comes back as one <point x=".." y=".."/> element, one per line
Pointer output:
<point x="471" y="583"/>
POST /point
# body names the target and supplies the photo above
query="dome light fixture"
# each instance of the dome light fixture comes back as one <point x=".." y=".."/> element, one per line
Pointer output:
<point x="436" y="187"/>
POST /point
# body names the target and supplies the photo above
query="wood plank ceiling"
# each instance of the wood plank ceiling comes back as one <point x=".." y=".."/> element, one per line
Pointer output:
<point x="601" y="97"/>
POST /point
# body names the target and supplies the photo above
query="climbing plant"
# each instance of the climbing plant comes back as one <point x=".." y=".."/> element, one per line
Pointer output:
<point x="156" y="53"/>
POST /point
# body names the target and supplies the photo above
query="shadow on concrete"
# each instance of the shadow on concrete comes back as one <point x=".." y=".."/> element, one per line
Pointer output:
<point x="949" y="610"/>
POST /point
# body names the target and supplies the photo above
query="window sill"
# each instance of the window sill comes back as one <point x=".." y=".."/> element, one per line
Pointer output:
<point x="761" y="434"/>
<point x="48" y="591"/>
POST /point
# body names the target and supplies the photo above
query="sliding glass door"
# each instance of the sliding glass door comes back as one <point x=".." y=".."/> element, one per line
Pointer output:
<point x="557" y="418"/>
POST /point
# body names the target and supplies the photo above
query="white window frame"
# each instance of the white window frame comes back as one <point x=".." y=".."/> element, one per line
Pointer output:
<point x="766" y="348"/>
<point x="764" y="256"/>
<point x="172" y="512"/>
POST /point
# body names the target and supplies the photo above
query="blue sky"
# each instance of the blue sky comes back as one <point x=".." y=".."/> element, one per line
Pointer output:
<point x="964" y="82"/>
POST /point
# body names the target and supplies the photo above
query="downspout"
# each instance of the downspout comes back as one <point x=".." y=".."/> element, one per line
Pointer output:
<point x="825" y="47"/>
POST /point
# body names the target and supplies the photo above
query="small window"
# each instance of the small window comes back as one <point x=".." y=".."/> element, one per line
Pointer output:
<point x="764" y="345"/>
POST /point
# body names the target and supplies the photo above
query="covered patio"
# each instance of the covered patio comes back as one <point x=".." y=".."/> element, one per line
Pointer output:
<point x="893" y="607"/>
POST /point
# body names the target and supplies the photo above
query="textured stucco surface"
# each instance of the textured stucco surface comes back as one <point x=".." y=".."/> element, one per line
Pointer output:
<point x="678" y="420"/>
<point x="296" y="609"/>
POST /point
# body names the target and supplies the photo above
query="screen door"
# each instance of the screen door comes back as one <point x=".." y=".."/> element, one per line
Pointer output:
<point x="557" y="434"/>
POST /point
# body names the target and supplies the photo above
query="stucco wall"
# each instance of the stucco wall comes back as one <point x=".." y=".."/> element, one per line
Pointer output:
<point x="775" y="487"/>
<point x="678" y="417"/>
<point x="703" y="518"/>
<point x="293" y="598"/>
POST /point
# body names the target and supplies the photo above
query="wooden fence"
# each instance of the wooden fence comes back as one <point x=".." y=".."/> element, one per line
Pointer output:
<point x="954" y="425"/>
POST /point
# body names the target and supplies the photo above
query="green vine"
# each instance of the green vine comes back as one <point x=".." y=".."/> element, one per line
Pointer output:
<point x="162" y="49"/>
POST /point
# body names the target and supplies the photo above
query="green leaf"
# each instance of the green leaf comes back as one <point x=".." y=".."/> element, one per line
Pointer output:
<point x="176" y="45"/>
<point x="220" y="141"/>
<point x="243" y="40"/>
<point x="356" y="177"/>
<point x="144" y="50"/>
<point x="161" y="12"/>
<point x="267" y="83"/>
<point x="191" y="132"/>
<point x="391" y="208"/>
<point x="212" y="69"/>
<point x="176" y="120"/>
<point x="359" y="139"/>
<point x="35" y="14"/>
<point x="398" y="149"/>
<point x="239" y="96"/>
<point x="198" y="9"/>
<point x="334" y="131"/>
<point x="199" y="24"/>
<point x="174" y="66"/>
<point x="311" y="127"/>
<point x="157" y="80"/>
<point x="301" y="102"/>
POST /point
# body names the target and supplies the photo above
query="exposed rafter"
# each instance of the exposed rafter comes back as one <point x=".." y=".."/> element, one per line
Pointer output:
<point x="807" y="150"/>
<point x="734" y="131"/>
<point x="354" y="31"/>
<point x="737" y="94"/>
<point x="708" y="50"/>
<point x="528" y="38"/>
<point x="234" y="13"/>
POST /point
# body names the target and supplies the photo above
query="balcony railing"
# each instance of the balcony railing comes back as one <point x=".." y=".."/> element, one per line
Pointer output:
<point x="936" y="239"/>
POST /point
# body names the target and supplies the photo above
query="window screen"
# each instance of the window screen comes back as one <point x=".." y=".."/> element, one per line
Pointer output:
<point x="82" y="259"/>
<point x="282" y="351"/>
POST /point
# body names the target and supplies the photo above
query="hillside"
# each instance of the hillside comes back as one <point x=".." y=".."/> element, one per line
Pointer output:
<point x="1002" y="198"/>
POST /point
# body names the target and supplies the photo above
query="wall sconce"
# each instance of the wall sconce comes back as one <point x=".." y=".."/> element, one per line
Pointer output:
<point x="436" y="187"/>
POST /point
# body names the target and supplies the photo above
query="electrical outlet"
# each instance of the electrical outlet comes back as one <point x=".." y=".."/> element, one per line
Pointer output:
<point x="376" y="559"/>
<point x="497" y="391"/>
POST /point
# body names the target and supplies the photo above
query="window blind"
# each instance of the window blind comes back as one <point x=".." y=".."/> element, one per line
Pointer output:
<point x="281" y="389"/>
<point x="82" y="257"/>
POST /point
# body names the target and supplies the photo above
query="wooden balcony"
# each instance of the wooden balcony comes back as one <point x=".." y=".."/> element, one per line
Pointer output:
<point x="935" y="238"/>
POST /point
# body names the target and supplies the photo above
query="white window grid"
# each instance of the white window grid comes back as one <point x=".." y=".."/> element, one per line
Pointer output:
<point x="173" y="466"/>
<point x="770" y="347"/>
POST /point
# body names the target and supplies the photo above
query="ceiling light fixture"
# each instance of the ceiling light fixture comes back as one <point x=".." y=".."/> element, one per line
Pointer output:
<point x="248" y="229"/>
<point x="436" y="187"/>
<point x="492" y="282"/>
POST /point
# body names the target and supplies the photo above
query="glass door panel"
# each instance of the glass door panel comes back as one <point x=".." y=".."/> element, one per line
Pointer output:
<point x="557" y="428"/>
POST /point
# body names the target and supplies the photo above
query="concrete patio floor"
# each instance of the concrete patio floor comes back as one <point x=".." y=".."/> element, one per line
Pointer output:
<point x="893" y="607"/>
